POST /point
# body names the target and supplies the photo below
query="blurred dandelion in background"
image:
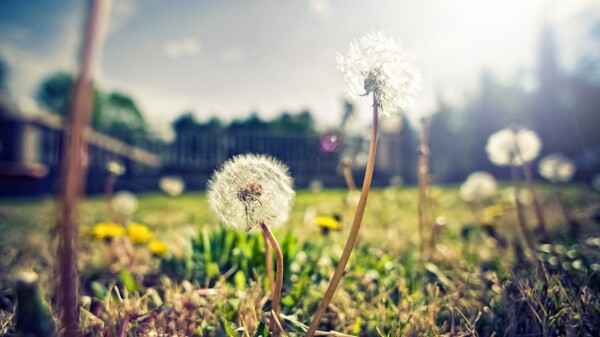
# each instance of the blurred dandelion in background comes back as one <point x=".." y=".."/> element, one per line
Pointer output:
<point x="115" y="168"/>
<point x="315" y="186"/>
<point x="557" y="168"/>
<point x="514" y="145"/>
<point x="479" y="185"/>
<point x="171" y="185"/>
<point x="125" y="203"/>
<point x="508" y="195"/>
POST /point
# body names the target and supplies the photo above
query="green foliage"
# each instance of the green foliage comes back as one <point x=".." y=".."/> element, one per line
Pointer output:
<point x="54" y="93"/>
<point x="115" y="113"/>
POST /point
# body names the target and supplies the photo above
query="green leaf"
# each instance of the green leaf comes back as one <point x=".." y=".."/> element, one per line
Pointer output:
<point x="240" y="280"/>
<point x="212" y="270"/>
<point x="261" y="331"/>
<point x="127" y="280"/>
<point x="228" y="328"/>
<point x="99" y="290"/>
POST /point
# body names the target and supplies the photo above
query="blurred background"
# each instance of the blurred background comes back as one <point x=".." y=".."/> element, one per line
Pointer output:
<point x="183" y="85"/>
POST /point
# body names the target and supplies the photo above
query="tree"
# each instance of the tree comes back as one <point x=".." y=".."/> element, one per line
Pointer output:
<point x="54" y="93"/>
<point x="115" y="113"/>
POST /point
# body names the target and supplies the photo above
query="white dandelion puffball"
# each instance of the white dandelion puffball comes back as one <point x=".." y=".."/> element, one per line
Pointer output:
<point x="115" y="167"/>
<point x="478" y="185"/>
<point x="557" y="168"/>
<point x="525" y="197"/>
<point x="513" y="145"/>
<point x="250" y="190"/>
<point x="315" y="186"/>
<point x="171" y="185"/>
<point x="377" y="65"/>
<point x="125" y="202"/>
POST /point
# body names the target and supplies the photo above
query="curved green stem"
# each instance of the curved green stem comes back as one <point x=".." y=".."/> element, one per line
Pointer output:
<point x="353" y="235"/>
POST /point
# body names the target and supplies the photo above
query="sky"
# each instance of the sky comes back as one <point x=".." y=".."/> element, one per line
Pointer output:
<point x="229" y="58"/>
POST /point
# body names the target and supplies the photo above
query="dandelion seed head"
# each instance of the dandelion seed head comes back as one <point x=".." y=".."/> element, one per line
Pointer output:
<point x="478" y="185"/>
<point x="557" y="168"/>
<point x="508" y="194"/>
<point x="514" y="145"/>
<point x="115" y="167"/>
<point x="125" y="202"/>
<point x="171" y="185"/>
<point x="249" y="190"/>
<point x="376" y="65"/>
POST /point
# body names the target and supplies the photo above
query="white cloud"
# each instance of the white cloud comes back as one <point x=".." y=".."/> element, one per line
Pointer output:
<point x="320" y="8"/>
<point x="27" y="67"/>
<point x="187" y="46"/>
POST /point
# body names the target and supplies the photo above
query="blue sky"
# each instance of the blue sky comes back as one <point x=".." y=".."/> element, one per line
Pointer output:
<point x="227" y="58"/>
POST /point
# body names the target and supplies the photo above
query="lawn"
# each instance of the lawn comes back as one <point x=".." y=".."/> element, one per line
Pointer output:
<point x="471" y="280"/>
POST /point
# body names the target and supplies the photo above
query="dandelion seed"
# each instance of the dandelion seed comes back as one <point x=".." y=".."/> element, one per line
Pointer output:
<point x="557" y="168"/>
<point x="514" y="145"/>
<point x="171" y="185"/>
<point x="249" y="190"/>
<point x="478" y="185"/>
<point x="377" y="65"/>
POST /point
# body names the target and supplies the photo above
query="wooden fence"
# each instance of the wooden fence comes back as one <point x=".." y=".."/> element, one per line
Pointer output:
<point x="30" y="147"/>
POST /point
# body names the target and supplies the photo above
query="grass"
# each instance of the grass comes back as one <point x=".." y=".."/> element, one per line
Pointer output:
<point x="213" y="283"/>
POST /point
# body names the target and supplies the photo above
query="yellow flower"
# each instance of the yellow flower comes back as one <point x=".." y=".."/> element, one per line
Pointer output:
<point x="492" y="213"/>
<point x="327" y="222"/>
<point x="158" y="247"/>
<point x="139" y="233"/>
<point x="107" y="230"/>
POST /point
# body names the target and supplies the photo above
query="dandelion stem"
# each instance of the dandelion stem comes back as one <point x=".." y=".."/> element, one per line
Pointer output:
<point x="353" y="235"/>
<point x="574" y="227"/>
<point x="108" y="193"/>
<point x="520" y="212"/>
<point x="276" y="291"/>
<point x="423" y="177"/>
<point x="536" y="204"/>
<point x="539" y="213"/>
<point x="348" y="175"/>
<point x="269" y="262"/>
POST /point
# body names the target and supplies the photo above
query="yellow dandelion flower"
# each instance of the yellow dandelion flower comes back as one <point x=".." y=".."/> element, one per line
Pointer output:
<point x="328" y="222"/>
<point x="492" y="213"/>
<point x="158" y="247"/>
<point x="105" y="230"/>
<point x="139" y="233"/>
